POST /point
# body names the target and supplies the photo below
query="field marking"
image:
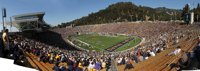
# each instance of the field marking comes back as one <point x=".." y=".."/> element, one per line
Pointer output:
<point x="97" y="42"/>
<point x="143" y="39"/>
<point x="88" y="44"/>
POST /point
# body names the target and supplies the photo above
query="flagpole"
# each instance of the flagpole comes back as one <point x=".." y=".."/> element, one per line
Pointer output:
<point x="3" y="18"/>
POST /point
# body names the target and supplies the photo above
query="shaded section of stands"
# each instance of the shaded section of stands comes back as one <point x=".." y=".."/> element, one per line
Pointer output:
<point x="49" y="38"/>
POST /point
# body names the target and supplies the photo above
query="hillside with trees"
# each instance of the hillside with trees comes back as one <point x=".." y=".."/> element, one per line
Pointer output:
<point x="197" y="13"/>
<point x="126" y="12"/>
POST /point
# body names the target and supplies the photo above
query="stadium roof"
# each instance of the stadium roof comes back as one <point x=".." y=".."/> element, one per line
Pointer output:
<point x="28" y="21"/>
<point x="30" y="14"/>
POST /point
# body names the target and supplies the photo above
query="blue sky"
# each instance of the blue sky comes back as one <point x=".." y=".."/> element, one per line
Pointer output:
<point x="58" y="11"/>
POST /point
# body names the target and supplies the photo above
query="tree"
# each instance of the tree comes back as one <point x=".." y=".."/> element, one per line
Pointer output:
<point x="198" y="7"/>
<point x="198" y="12"/>
<point x="186" y="10"/>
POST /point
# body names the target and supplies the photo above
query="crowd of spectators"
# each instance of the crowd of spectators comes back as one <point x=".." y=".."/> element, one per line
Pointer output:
<point x="64" y="60"/>
<point x="158" y="35"/>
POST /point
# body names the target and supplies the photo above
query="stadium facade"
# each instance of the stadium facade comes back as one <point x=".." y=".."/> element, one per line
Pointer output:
<point x="29" y="21"/>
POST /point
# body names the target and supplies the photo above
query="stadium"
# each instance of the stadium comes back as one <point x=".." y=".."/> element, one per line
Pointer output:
<point x="165" y="42"/>
<point x="122" y="45"/>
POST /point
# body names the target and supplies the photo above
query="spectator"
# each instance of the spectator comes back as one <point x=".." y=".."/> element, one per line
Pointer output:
<point x="197" y="52"/>
<point x="128" y="65"/>
<point x="175" y="52"/>
<point x="198" y="39"/>
<point x="91" y="66"/>
<point x="70" y="65"/>
<point x="56" y="67"/>
<point x="108" y="64"/>
<point x="51" y="58"/>
<point x="80" y="66"/>
<point x="85" y="64"/>
<point x="119" y="61"/>
<point x="135" y="58"/>
<point x="16" y="55"/>
<point x="98" y="65"/>
<point x="123" y="61"/>
<point x="5" y="38"/>
<point x="63" y="66"/>
<point x="103" y="64"/>
<point x="141" y="58"/>
<point x="152" y="53"/>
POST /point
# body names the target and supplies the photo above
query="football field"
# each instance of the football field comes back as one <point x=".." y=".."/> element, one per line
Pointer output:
<point x="101" y="42"/>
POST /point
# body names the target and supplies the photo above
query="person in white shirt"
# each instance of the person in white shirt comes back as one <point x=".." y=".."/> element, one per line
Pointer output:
<point x="175" y="52"/>
<point x="119" y="60"/>
<point x="152" y="53"/>
<point x="91" y="66"/>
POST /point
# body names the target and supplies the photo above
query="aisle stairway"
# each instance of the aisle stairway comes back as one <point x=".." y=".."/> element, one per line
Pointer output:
<point x="33" y="60"/>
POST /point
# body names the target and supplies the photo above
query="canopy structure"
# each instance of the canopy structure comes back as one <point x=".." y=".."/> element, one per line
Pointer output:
<point x="30" y="21"/>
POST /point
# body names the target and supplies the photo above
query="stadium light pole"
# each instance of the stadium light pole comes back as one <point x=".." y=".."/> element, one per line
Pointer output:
<point x="197" y="18"/>
<point x="154" y="17"/>
<point x="10" y="23"/>
<point x="131" y="18"/>
<point x="175" y="16"/>
<point x="3" y="18"/>
<point x="136" y="17"/>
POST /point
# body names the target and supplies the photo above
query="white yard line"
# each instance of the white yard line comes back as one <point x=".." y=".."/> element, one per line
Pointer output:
<point x="71" y="43"/>
<point x="82" y="42"/>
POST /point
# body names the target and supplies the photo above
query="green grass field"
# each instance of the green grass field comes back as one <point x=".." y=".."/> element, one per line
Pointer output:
<point x="100" y="42"/>
<point x="132" y="43"/>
